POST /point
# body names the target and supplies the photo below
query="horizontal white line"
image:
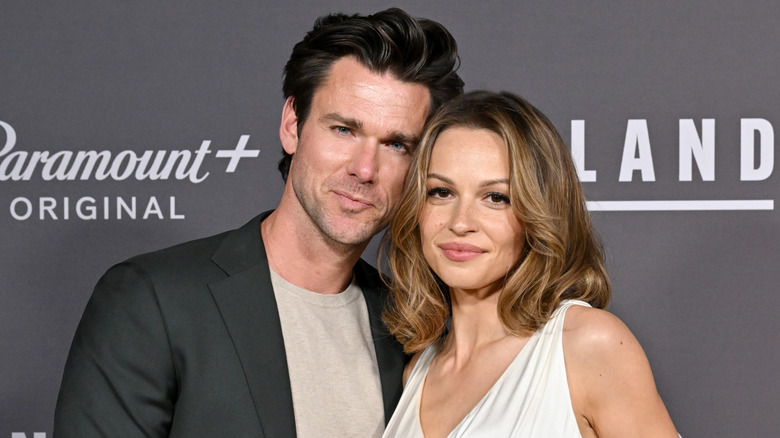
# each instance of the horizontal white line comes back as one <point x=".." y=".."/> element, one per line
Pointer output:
<point x="757" y="204"/>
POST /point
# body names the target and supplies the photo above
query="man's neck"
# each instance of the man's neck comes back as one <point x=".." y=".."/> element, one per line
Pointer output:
<point x="301" y="255"/>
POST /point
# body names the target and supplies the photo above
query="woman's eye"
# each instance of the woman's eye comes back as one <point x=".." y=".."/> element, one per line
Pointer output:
<point x="498" y="198"/>
<point x="438" y="192"/>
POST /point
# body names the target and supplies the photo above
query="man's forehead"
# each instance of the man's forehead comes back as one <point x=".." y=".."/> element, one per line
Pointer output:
<point x="352" y="93"/>
<point x="348" y="72"/>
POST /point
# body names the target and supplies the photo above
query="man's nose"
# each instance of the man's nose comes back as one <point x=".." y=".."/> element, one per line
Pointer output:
<point x="364" y="162"/>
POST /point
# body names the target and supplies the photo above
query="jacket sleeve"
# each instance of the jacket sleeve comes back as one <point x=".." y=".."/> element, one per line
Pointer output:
<point x="119" y="378"/>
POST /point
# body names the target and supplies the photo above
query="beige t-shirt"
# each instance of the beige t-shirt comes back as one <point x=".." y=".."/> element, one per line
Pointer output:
<point x="334" y="375"/>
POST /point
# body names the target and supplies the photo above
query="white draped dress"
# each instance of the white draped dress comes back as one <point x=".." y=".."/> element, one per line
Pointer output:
<point x="530" y="399"/>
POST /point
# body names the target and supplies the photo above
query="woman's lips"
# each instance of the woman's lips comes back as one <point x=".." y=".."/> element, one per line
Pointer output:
<point x="460" y="252"/>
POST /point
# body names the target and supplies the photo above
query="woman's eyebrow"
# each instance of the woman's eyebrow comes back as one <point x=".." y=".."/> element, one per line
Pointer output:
<point x="492" y="182"/>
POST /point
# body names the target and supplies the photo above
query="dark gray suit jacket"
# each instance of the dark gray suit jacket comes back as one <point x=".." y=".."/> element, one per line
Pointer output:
<point x="186" y="342"/>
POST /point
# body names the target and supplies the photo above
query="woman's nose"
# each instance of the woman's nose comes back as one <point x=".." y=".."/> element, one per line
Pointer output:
<point x="462" y="220"/>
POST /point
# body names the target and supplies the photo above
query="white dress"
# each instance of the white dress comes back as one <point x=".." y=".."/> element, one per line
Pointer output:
<point x="530" y="399"/>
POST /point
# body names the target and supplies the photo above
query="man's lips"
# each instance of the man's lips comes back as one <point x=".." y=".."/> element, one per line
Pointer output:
<point x="460" y="252"/>
<point x="352" y="201"/>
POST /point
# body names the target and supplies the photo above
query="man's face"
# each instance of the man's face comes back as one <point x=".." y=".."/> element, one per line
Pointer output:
<point x="353" y="151"/>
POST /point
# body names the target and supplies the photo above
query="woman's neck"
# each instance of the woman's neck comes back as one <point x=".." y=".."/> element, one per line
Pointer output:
<point x="475" y="322"/>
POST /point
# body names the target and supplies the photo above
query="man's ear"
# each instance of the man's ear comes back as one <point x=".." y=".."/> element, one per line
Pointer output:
<point x="288" y="129"/>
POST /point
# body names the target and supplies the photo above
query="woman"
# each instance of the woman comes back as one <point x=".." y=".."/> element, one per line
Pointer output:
<point x="499" y="285"/>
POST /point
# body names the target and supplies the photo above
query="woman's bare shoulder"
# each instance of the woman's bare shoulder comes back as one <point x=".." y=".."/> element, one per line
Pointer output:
<point x="610" y="379"/>
<point x="594" y="332"/>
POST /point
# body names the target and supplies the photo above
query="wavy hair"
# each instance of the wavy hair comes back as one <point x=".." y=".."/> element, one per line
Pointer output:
<point x="562" y="259"/>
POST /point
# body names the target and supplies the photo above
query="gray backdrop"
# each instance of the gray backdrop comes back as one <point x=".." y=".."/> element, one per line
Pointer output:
<point x="654" y="85"/>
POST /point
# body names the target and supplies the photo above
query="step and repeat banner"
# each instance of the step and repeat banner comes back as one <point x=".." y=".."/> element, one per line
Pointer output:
<point x="130" y="126"/>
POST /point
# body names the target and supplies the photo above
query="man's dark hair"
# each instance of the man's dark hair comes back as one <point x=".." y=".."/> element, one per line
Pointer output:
<point x="418" y="51"/>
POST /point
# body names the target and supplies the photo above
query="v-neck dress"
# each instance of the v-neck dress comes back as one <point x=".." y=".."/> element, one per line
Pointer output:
<point x="530" y="399"/>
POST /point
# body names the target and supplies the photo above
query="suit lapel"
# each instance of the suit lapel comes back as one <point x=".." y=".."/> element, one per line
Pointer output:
<point x="248" y="307"/>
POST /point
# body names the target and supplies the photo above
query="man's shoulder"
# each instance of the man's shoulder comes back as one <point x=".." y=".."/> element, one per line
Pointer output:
<point x="193" y="251"/>
<point x="169" y="272"/>
<point x="202" y="258"/>
<point x="243" y="241"/>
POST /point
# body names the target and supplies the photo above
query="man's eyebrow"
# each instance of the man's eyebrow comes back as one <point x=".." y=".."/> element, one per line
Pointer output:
<point x="400" y="137"/>
<point x="341" y="120"/>
<point x="394" y="136"/>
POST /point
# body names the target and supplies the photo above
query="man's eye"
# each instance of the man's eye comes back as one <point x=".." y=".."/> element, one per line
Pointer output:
<point x="342" y="130"/>
<point x="397" y="145"/>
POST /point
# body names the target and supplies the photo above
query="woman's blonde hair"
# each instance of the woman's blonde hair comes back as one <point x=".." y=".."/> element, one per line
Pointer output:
<point x="562" y="257"/>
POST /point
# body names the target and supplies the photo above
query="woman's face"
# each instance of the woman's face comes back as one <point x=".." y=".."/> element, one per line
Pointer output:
<point x="470" y="236"/>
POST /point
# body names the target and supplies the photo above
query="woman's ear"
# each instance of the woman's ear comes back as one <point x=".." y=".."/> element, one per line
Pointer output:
<point x="288" y="129"/>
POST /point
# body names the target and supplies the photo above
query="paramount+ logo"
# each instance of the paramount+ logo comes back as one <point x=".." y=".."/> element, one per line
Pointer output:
<point x="18" y="165"/>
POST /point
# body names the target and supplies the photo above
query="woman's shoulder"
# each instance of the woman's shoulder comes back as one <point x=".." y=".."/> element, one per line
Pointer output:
<point x="610" y="381"/>
<point x="597" y="334"/>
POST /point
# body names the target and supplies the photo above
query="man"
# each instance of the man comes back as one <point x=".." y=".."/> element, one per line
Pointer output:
<point x="275" y="328"/>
